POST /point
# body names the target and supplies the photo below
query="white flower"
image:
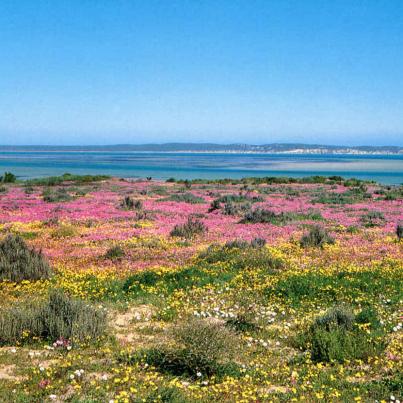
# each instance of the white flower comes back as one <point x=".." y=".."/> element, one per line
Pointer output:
<point x="199" y="374"/>
<point x="41" y="369"/>
<point x="52" y="397"/>
<point x="13" y="350"/>
<point x="71" y="376"/>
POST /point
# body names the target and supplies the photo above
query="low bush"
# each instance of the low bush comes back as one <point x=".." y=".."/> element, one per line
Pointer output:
<point x="316" y="237"/>
<point x="57" y="317"/>
<point x="63" y="231"/>
<point x="115" y="252"/>
<point x="56" y="196"/>
<point x="231" y="208"/>
<point x="190" y="229"/>
<point x="19" y="262"/>
<point x="336" y="336"/>
<point x="58" y="180"/>
<point x="241" y="256"/>
<point x="184" y="198"/>
<point x="399" y="231"/>
<point x="373" y="219"/>
<point x="8" y="177"/>
<point x="129" y="204"/>
<point x="266" y="216"/>
<point x="201" y="349"/>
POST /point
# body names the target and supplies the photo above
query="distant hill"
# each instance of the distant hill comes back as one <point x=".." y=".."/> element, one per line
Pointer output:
<point x="293" y="148"/>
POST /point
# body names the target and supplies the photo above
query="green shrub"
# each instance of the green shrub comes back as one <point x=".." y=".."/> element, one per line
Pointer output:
<point x="63" y="231"/>
<point x="190" y="229"/>
<point x="129" y="204"/>
<point x="8" y="177"/>
<point x="373" y="219"/>
<point x="18" y="262"/>
<point x="231" y="208"/>
<point x="115" y="252"/>
<point x="399" y="231"/>
<point x="266" y="216"/>
<point x="200" y="347"/>
<point x="241" y="256"/>
<point x="184" y="198"/>
<point x="316" y="237"/>
<point x="57" y="317"/>
<point x="58" y="180"/>
<point x="56" y="196"/>
<point x="335" y="336"/>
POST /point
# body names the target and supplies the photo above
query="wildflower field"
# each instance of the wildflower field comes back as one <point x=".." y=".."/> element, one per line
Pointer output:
<point x="254" y="290"/>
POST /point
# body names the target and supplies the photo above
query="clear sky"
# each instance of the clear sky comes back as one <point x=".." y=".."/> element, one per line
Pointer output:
<point x="114" y="71"/>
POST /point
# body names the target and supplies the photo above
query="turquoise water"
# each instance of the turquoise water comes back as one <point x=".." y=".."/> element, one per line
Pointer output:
<point x="386" y="169"/>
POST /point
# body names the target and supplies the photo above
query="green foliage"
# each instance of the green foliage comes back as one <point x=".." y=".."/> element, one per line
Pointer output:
<point x="115" y="252"/>
<point x="373" y="219"/>
<point x="8" y="177"/>
<point x="57" y="317"/>
<point x="241" y="256"/>
<point x="129" y="204"/>
<point x="58" y="180"/>
<point x="335" y="336"/>
<point x="18" y="262"/>
<point x="63" y="231"/>
<point x="260" y="215"/>
<point x="184" y="198"/>
<point x="316" y="237"/>
<point x="354" y="195"/>
<point x="202" y="349"/>
<point x="55" y="196"/>
<point x="399" y="231"/>
<point x="234" y="209"/>
<point x="189" y="229"/>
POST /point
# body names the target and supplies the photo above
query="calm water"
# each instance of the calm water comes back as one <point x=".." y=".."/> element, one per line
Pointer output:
<point x="27" y="164"/>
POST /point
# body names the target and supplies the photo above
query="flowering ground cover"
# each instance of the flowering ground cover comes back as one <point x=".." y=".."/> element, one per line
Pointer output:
<point x="212" y="291"/>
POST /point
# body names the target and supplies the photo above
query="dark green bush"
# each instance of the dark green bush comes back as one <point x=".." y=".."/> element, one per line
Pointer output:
<point x="373" y="219"/>
<point x="266" y="216"/>
<point x="57" y="317"/>
<point x="129" y="204"/>
<point x="200" y="347"/>
<point x="56" y="196"/>
<point x="58" y="180"/>
<point x="316" y="237"/>
<point x="115" y="252"/>
<point x="399" y="231"/>
<point x="184" y="198"/>
<point x="190" y="229"/>
<point x="335" y="336"/>
<point x="231" y="208"/>
<point x="18" y="262"/>
<point x="8" y="177"/>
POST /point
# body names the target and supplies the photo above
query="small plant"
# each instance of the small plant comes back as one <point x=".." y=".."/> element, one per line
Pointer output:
<point x="63" y="231"/>
<point x="57" y="317"/>
<point x="18" y="262"/>
<point x="231" y="208"/>
<point x="201" y="348"/>
<point x="316" y="237"/>
<point x="129" y="204"/>
<point x="336" y="336"/>
<point x="258" y="243"/>
<point x="190" y="229"/>
<point x="373" y="219"/>
<point x="8" y="177"/>
<point x="115" y="252"/>
<point x="55" y="196"/>
<point x="184" y="198"/>
<point x="215" y="205"/>
<point x="399" y="231"/>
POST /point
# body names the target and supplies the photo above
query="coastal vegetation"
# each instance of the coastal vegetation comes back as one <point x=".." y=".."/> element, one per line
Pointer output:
<point x="250" y="290"/>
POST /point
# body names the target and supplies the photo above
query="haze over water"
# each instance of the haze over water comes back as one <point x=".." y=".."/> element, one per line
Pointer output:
<point x="386" y="169"/>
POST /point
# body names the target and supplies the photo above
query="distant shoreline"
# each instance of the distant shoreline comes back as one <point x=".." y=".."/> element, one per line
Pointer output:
<point x="209" y="148"/>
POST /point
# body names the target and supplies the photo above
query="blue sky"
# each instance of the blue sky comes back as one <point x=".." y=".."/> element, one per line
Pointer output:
<point x="110" y="71"/>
